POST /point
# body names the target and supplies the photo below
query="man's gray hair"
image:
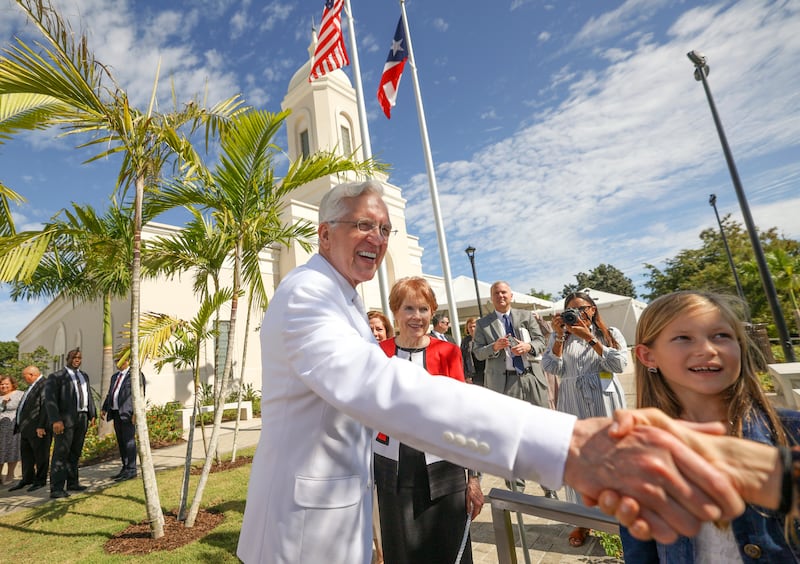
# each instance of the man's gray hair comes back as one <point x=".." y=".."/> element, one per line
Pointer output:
<point x="333" y="205"/>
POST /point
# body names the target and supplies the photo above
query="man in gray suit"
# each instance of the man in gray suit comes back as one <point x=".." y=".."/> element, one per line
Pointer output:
<point x="511" y="343"/>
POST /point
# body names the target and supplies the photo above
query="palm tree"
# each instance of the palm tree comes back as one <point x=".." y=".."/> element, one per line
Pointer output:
<point x="785" y="268"/>
<point x="177" y="342"/>
<point x="87" y="101"/>
<point x="7" y="195"/>
<point x="245" y="199"/>
<point x="88" y="258"/>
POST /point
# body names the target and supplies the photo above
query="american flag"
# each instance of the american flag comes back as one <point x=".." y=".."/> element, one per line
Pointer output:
<point x="393" y="69"/>
<point x="330" y="53"/>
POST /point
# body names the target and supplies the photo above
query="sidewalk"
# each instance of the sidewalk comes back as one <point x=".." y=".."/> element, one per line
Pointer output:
<point x="98" y="476"/>
<point x="547" y="540"/>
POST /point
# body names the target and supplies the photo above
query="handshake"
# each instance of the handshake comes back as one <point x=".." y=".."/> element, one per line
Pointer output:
<point x="661" y="477"/>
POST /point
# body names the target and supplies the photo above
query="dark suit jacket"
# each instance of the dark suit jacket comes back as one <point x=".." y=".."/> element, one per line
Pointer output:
<point x="62" y="401"/>
<point x="447" y="337"/>
<point x="488" y="329"/>
<point x="33" y="414"/>
<point x="125" y="398"/>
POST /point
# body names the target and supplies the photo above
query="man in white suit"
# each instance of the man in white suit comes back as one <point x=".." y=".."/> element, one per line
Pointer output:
<point x="327" y="385"/>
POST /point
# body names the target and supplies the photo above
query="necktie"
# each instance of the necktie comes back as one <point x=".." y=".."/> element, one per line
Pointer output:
<point x="515" y="359"/>
<point x="79" y="384"/>
<point x="117" y="384"/>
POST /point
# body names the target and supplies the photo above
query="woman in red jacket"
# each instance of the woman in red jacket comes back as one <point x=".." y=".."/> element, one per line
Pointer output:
<point x="424" y="500"/>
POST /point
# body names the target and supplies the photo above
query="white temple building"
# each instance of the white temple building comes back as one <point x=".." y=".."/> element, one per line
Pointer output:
<point x="324" y="117"/>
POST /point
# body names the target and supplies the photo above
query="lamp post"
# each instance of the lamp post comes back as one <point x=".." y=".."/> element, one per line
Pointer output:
<point x="701" y="71"/>
<point x="712" y="200"/>
<point x="471" y="254"/>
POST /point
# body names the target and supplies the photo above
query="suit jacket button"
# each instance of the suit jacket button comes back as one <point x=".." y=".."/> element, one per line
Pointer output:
<point x="752" y="550"/>
<point x="449" y="436"/>
<point x="472" y="444"/>
<point x="461" y="440"/>
<point x="483" y="448"/>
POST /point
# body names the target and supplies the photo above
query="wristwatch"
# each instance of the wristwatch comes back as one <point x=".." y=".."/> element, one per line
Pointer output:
<point x="593" y="342"/>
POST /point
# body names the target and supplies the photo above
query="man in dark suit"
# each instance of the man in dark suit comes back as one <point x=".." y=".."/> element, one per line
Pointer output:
<point x="35" y="438"/>
<point x="70" y="409"/>
<point x="441" y="323"/>
<point x="511" y="343"/>
<point x="118" y="405"/>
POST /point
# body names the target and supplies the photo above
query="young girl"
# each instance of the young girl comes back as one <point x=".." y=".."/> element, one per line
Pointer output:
<point x="694" y="361"/>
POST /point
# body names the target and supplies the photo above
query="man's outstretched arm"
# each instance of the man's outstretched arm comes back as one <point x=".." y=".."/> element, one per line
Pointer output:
<point x="675" y="489"/>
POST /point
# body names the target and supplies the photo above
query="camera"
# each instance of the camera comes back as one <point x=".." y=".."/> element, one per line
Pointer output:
<point x="571" y="316"/>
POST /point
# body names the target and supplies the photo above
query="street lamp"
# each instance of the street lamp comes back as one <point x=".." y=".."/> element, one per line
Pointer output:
<point x="471" y="254"/>
<point x="712" y="200"/>
<point x="701" y="71"/>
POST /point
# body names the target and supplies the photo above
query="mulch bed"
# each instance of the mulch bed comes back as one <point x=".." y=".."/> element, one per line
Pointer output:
<point x="136" y="539"/>
<point x="222" y="466"/>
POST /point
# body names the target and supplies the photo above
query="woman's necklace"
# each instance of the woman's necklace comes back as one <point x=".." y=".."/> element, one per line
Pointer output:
<point x="412" y="350"/>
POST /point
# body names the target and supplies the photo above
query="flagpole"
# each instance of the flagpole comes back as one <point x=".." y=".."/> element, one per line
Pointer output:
<point x="366" y="146"/>
<point x="437" y="213"/>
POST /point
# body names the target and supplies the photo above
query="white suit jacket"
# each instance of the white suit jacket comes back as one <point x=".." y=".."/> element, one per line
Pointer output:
<point x="326" y="385"/>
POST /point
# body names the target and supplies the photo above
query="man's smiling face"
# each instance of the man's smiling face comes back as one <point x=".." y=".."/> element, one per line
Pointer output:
<point x="353" y="253"/>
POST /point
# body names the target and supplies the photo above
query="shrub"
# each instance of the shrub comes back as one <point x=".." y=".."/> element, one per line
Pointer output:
<point x="162" y="428"/>
<point x="612" y="544"/>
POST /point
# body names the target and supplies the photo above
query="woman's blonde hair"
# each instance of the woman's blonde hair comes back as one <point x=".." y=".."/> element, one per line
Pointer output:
<point x="745" y="394"/>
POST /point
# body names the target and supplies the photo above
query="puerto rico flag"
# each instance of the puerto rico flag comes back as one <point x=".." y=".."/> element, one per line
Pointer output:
<point x="330" y="53"/>
<point x="392" y="70"/>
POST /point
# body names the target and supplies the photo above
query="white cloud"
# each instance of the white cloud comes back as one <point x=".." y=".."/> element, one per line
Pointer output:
<point x="543" y="37"/>
<point x="440" y="24"/>
<point x="620" y="171"/>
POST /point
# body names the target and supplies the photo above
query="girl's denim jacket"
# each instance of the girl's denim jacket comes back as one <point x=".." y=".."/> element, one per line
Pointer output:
<point x="759" y="532"/>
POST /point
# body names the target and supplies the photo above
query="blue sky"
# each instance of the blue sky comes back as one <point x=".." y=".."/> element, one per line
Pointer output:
<point x="565" y="134"/>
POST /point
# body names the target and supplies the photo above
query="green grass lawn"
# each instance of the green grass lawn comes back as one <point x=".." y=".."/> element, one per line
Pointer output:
<point x="75" y="529"/>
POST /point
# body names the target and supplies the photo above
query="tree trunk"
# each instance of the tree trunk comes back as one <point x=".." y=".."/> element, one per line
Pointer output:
<point x="152" y="501"/>
<point x="241" y="377"/>
<point x="796" y="315"/>
<point x="198" y="495"/>
<point x="105" y="428"/>
<point x="187" y="465"/>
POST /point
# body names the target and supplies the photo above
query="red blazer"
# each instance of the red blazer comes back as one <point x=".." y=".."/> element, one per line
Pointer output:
<point x="441" y="358"/>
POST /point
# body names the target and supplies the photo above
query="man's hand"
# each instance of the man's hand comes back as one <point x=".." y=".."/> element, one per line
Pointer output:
<point x="754" y="468"/>
<point x="58" y="427"/>
<point x="500" y="344"/>
<point x="643" y="466"/>
<point x="474" y="497"/>
<point x="41" y="432"/>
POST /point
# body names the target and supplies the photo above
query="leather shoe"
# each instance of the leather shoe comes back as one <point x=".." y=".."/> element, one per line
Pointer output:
<point x="18" y="486"/>
<point x="118" y="474"/>
<point x="35" y="487"/>
<point x="76" y="487"/>
<point x="58" y="494"/>
<point x="126" y="476"/>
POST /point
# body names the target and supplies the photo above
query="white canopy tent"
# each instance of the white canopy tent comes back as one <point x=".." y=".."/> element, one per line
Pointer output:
<point x="617" y="311"/>
<point x="466" y="300"/>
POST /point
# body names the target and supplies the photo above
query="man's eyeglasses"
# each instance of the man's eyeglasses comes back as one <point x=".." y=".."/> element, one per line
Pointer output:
<point x="367" y="226"/>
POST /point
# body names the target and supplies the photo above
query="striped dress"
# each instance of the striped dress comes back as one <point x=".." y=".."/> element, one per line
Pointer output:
<point x="583" y="391"/>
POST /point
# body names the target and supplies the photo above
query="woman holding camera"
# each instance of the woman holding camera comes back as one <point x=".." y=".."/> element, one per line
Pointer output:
<point x="585" y="354"/>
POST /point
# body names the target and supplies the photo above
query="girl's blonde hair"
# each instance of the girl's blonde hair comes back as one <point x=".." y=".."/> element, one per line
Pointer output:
<point x="745" y="394"/>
